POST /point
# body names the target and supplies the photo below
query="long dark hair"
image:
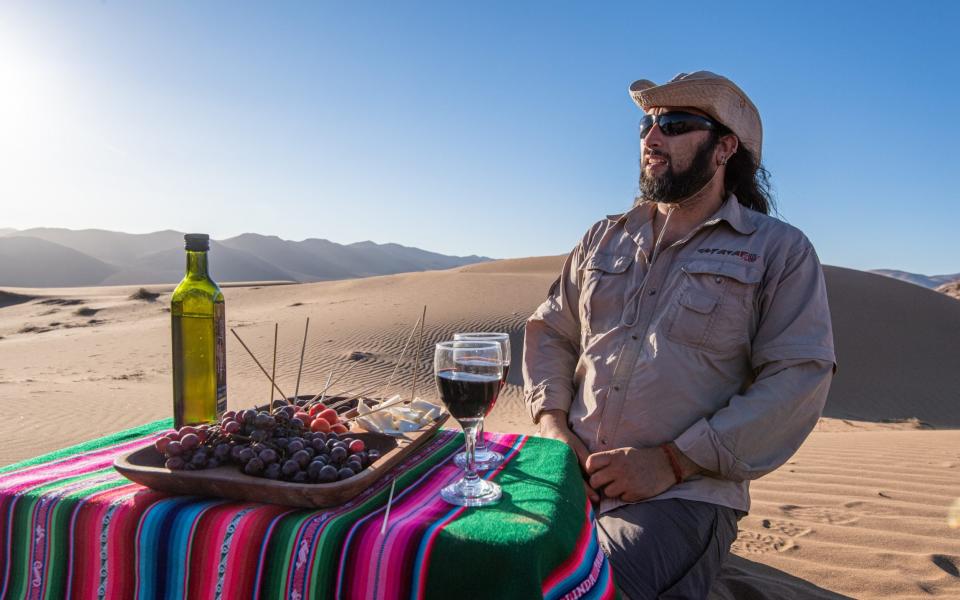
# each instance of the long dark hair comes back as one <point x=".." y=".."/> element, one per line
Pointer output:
<point x="748" y="179"/>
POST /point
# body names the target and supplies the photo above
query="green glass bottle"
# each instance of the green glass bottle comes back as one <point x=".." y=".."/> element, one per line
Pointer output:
<point x="199" y="341"/>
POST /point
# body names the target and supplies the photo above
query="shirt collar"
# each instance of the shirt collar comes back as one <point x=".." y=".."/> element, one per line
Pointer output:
<point x="730" y="211"/>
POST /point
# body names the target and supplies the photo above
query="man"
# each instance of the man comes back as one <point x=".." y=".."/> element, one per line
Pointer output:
<point x="686" y="347"/>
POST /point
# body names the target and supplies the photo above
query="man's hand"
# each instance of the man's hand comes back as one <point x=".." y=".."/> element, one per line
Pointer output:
<point x="553" y="424"/>
<point x="633" y="474"/>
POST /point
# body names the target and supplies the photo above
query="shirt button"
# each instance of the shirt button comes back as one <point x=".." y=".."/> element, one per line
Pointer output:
<point x="633" y="337"/>
<point x="616" y="388"/>
<point x="604" y="441"/>
<point x="653" y="292"/>
<point x="717" y="279"/>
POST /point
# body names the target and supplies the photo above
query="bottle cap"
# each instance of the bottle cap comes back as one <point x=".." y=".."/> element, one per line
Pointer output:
<point x="196" y="242"/>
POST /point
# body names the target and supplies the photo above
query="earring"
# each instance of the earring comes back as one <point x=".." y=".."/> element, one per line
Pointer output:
<point x="723" y="160"/>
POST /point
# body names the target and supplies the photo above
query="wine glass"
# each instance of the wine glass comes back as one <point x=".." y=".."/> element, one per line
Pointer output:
<point x="484" y="457"/>
<point x="468" y="378"/>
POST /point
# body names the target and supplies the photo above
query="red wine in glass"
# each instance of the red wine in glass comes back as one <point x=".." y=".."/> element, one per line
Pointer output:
<point x="468" y="396"/>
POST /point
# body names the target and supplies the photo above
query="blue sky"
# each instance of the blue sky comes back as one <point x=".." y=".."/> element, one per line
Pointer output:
<point x="495" y="128"/>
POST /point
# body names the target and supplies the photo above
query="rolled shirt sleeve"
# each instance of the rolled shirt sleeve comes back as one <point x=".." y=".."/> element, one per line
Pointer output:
<point x="551" y="345"/>
<point x="760" y="429"/>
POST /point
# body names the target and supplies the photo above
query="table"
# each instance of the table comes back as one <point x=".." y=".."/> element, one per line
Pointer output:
<point x="71" y="526"/>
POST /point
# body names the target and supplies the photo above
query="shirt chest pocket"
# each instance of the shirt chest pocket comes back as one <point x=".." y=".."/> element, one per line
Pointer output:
<point x="604" y="283"/>
<point x="713" y="308"/>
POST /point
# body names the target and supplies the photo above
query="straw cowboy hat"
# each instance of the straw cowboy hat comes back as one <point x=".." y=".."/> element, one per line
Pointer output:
<point x="713" y="94"/>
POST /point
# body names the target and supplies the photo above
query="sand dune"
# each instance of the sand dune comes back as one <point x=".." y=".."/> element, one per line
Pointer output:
<point x="860" y="511"/>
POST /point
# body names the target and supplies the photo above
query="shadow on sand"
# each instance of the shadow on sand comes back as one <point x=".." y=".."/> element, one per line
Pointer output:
<point x="743" y="579"/>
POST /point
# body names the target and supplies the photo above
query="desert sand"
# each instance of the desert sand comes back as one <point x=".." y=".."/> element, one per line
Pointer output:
<point x="862" y="510"/>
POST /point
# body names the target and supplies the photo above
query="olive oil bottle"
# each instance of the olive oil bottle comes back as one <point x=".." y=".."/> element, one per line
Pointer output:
<point x="199" y="341"/>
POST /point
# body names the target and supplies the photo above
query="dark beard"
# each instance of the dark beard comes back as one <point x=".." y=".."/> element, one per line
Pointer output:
<point x="671" y="188"/>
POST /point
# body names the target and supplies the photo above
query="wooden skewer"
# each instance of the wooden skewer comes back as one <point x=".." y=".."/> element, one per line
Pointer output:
<point x="303" y="349"/>
<point x="325" y="387"/>
<point x="416" y="352"/>
<point x="386" y="515"/>
<point x="329" y="384"/>
<point x="239" y="339"/>
<point x="273" y="377"/>
<point x="340" y="403"/>
<point x="399" y="362"/>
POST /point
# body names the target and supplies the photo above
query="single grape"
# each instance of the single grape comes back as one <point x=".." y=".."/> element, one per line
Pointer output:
<point x="268" y="456"/>
<point x="302" y="458"/>
<point x="161" y="444"/>
<point x="338" y="454"/>
<point x="173" y="435"/>
<point x="254" y="467"/>
<point x="187" y="429"/>
<point x="229" y="415"/>
<point x="295" y="445"/>
<point x="174" y="448"/>
<point x="327" y="474"/>
<point x="272" y="471"/>
<point x="373" y="454"/>
<point x="281" y="442"/>
<point x="259" y="435"/>
<point x="175" y="463"/>
<point x="345" y="473"/>
<point x="221" y="450"/>
<point x="300" y="477"/>
<point x="356" y="446"/>
<point x="189" y="441"/>
<point x="246" y="455"/>
<point x="290" y="467"/>
<point x="333" y="436"/>
<point x="231" y="427"/>
<point x="297" y="423"/>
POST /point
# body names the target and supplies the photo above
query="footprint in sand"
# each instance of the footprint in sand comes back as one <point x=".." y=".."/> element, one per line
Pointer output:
<point x="752" y="542"/>
<point x="867" y="509"/>
<point x="820" y="514"/>
<point x="791" y="530"/>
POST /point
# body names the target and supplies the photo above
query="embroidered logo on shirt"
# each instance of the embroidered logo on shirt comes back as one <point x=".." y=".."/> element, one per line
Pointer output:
<point x="747" y="256"/>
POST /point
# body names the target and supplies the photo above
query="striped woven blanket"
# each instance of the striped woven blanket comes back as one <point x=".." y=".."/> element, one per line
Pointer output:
<point x="71" y="526"/>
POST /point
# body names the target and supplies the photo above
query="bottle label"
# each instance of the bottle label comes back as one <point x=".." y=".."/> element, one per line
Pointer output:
<point x="220" y="328"/>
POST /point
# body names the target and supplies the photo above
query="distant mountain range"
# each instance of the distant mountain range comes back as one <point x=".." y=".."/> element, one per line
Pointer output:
<point x="51" y="257"/>
<point x="927" y="281"/>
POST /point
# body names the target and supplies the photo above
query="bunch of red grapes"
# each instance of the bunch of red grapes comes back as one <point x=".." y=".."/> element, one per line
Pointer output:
<point x="290" y="443"/>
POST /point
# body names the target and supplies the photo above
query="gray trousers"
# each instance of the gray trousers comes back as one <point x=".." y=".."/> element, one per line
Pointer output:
<point x="668" y="549"/>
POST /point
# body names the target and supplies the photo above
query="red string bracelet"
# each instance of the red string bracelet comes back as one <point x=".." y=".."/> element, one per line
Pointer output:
<point x="674" y="463"/>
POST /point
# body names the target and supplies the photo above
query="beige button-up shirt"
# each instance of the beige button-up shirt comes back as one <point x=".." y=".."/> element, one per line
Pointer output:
<point x="723" y="345"/>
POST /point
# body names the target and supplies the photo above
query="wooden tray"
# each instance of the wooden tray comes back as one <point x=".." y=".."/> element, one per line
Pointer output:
<point x="145" y="466"/>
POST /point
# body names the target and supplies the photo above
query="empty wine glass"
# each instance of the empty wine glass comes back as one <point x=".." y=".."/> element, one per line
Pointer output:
<point x="486" y="458"/>
<point x="468" y="378"/>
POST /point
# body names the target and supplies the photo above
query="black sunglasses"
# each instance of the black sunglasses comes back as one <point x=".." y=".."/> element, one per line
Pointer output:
<point x="676" y="123"/>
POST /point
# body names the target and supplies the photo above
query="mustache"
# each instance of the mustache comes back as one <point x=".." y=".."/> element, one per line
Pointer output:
<point x="654" y="152"/>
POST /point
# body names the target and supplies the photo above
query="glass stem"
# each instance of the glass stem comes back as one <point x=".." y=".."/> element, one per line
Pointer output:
<point x="470" y="476"/>
<point x="481" y="440"/>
